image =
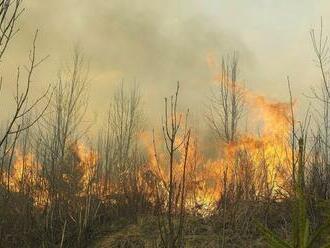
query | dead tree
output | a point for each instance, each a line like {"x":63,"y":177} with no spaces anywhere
{"x":225,"y":110}
{"x":26,"y":113}
{"x":10,"y":12}
{"x":176,"y":137}
{"x":322,"y":96}
{"x":59,"y":133}
{"x":24,"y":107}
{"x":125,"y":124}
{"x":59,"y":129}
{"x":226,"y":102}
{"x":120,"y":144}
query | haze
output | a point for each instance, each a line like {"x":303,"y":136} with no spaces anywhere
{"x":156,"y":44}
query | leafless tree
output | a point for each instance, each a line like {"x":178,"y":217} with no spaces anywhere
{"x":61,"y":125}
{"x":59,"y":133}
{"x":224,"y":113}
{"x":23,"y":107}
{"x":10,"y":12}
{"x":24,"y":110}
{"x":226,"y":102}
{"x":322,"y":96}
{"x":27,"y":112}
{"x":125,"y":124}
{"x":176,"y":136}
{"x":120,"y":144}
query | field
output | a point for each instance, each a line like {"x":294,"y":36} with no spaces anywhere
{"x":247,"y":170}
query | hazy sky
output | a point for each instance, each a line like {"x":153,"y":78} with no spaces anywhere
{"x":160,"y":42}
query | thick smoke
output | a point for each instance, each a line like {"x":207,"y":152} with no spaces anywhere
{"x":155,"y":44}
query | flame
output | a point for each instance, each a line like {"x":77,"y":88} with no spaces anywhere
{"x":87,"y":164}
{"x":26,"y":175}
{"x":23,"y":170}
{"x":261,"y":158}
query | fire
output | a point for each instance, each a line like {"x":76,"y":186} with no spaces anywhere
{"x":26,"y":175}
{"x":23,"y":171}
{"x":87,"y":164}
{"x":263,"y":159}
{"x":275,"y":116}
{"x":271,"y":147}
{"x":201,"y":177}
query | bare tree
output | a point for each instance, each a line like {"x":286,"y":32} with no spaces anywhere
{"x":120,"y":147}
{"x":10,"y":12}
{"x":322,"y":95}
{"x":124,"y":119}
{"x":226,"y":102}
{"x":24,"y":110}
{"x":23,"y":107}
{"x":59,"y":133}
{"x":176,"y":137}
{"x":27,"y":112}
{"x":224,"y":113}
{"x":61,"y":125}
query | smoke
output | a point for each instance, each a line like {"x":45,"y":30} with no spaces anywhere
{"x":157,"y":43}
{"x":154,"y":43}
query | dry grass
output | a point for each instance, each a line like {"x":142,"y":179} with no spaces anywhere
{"x":199,"y":233}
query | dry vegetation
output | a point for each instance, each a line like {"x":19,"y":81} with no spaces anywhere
{"x":133,"y":188}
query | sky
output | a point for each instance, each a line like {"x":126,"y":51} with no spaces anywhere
{"x":157,"y":43}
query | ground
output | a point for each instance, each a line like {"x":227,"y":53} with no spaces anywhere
{"x":199,"y":233}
